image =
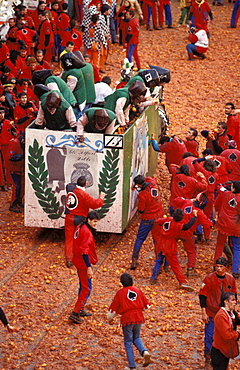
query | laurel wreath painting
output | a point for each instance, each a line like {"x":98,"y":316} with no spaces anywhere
{"x":38,"y":177}
{"x":108,"y":180}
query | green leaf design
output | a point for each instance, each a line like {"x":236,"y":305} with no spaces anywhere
{"x":38,"y":177}
{"x":108,"y":180}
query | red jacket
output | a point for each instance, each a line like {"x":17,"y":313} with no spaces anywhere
{"x":83,"y":243}
{"x":211,"y":177}
{"x":4,"y":52}
{"x":188,"y":161}
{"x":187,"y":206}
{"x":213,"y":287}
{"x":174,"y":150}
{"x":225,"y":337}
{"x":11,"y":44}
{"x":134,"y":30}
{"x":233,"y":157}
{"x":223,"y":168}
{"x":184,"y":186}
{"x":228,"y":207}
{"x":5,"y":132}
{"x":15,"y":148}
{"x":24,"y":115}
{"x":79,"y":202}
{"x":233,"y":124}
{"x":45,"y":29}
{"x":74,"y":36}
{"x":192,"y":147}
{"x":165,"y":232}
{"x":149,"y":201}
{"x":129,"y":302}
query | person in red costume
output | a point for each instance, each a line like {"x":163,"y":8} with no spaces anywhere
{"x":40,"y":59}
{"x":6,"y":134}
{"x":35,"y":14}
{"x":78,"y":204}
{"x":27,"y":19}
{"x":199,"y":42}
{"x":63,"y":22}
{"x":150,"y":8}
{"x":21,"y":60}
{"x":233,"y":157}
{"x":150,"y":208}
{"x":210,"y":293}
{"x":11,"y":35}
{"x":223,"y":167}
{"x":225,"y":340}
{"x":165,"y":232}
{"x":209,"y":170}
{"x":23,"y":86}
{"x":84,"y":256}
{"x":200,"y":12}
{"x":188,"y":205}
{"x":173,"y":147}
{"x":30,"y":68}
{"x":72,"y":35}
{"x":228,"y":207}
{"x":46,"y":36}
{"x":15,"y":158}
{"x":233,"y":123}
{"x":4,"y":52}
{"x":24,"y":112}
{"x":129,"y":302}
{"x":132,"y":38}
{"x":26,"y":36}
{"x":191,"y":143}
{"x":188,"y":159}
{"x":217,"y":139}
{"x":183,"y":184}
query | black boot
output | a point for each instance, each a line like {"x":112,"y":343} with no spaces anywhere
{"x":134,"y":264}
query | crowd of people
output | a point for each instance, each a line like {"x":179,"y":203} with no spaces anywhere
{"x":47,"y":82}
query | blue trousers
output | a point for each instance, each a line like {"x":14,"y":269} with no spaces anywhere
{"x":236,"y":254}
{"x":208,"y":336}
{"x":168,"y":14}
{"x":131,"y":335}
{"x":144,"y":228}
{"x":158,"y":264}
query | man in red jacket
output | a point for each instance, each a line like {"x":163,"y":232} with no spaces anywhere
{"x":233,"y":123}
{"x":150,"y":208}
{"x":46,"y":36}
{"x":210,"y":293}
{"x":84,"y":256}
{"x":78,"y":204}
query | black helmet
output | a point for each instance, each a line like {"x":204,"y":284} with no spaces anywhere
{"x":53,"y":101}
{"x":70,"y":61}
{"x":79,"y":56}
{"x":40,"y":89}
{"x":39,"y":77}
{"x":164,"y":74}
{"x":150,"y":77}
{"x":101,"y":119}
{"x":137,"y":88}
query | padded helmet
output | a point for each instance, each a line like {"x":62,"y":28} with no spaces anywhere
{"x":136,"y":89}
{"x":39,"y":77}
{"x":101,"y":119}
{"x":40,"y":89}
{"x":53,"y":101}
{"x":150,"y":77}
{"x":164,"y":74}
{"x":70,"y":61}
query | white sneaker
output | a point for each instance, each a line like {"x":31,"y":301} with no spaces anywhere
{"x":146,"y":356}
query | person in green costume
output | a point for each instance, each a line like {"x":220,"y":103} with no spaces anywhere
{"x":96,"y":120}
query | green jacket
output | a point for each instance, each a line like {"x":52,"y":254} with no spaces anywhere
{"x":90,"y":126}
{"x":111,"y":100}
{"x":63,"y":88}
{"x":88,"y":75}
{"x":80,"y":89}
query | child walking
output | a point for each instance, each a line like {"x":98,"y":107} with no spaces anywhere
{"x":129,"y":302}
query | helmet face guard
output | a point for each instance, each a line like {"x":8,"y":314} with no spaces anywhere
{"x":137,"y":91}
{"x":101,"y":119}
{"x":53,"y":102}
